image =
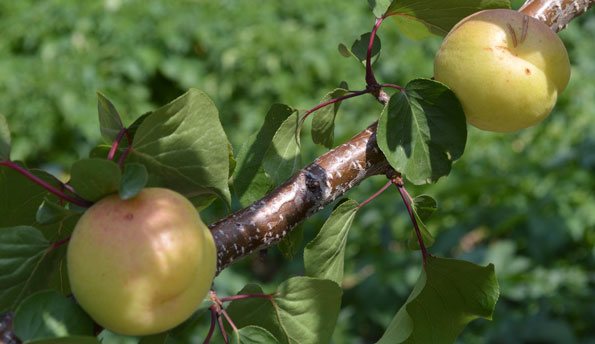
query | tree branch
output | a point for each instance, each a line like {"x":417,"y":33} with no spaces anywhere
{"x":270,"y":219}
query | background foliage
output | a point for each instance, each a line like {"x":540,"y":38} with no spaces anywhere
{"x":523,"y":201}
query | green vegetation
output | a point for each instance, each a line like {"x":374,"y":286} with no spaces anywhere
{"x":523,"y":201}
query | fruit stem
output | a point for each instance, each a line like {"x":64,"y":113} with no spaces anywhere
{"x":212,"y":327}
{"x":75,"y":199}
{"x":398,"y":181}
{"x":376,"y":194}
{"x":370,"y":78}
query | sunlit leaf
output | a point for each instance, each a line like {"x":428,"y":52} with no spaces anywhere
{"x":447,"y":296}
{"x":303,"y":310}
{"x":324,"y":256}
{"x":184,"y":148}
{"x":422,"y":131}
{"x":283,"y":156}
{"x":323,"y":123}
{"x":291,"y":244}
{"x":423,"y":207}
{"x":253,"y":335}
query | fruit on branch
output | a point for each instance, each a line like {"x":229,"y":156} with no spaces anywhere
{"x":143,"y":265}
{"x":505,"y":67}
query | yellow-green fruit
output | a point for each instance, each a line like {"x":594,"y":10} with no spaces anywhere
{"x":143,"y":265}
{"x":506,"y":68}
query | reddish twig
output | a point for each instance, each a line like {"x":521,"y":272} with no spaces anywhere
{"x":376,"y":194}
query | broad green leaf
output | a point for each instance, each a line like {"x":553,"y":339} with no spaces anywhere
{"x":304,"y":310}
{"x":68,"y":340}
{"x":253,"y":335}
{"x":50,"y":212}
{"x":323,"y":123}
{"x":110,"y":122}
{"x":448,"y":295}
{"x":359,"y":48}
{"x":283,"y":156}
{"x":20,"y":197}
{"x":324,"y":256}
{"x":93,"y":179}
{"x":191,"y":330}
{"x":379,"y":7}
{"x":109,"y":337}
{"x":422,"y":131}
{"x":47,"y":314}
{"x":184,"y":148}
{"x":27,"y":264}
{"x":249,"y":180}
{"x":134,"y":179}
{"x":291,"y":244}
{"x":423,"y":207}
{"x":4,"y":140}
{"x":419,"y":18}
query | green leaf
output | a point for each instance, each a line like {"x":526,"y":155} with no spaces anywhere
{"x":422,"y":131}
{"x":253,"y":335}
{"x":93,"y":179}
{"x":27,"y":264}
{"x":359,"y":48}
{"x":448,"y":295}
{"x":50,"y":212}
{"x":379,"y":7}
{"x":134,"y":179}
{"x":19,"y":197}
{"x":324,"y":256}
{"x":419,"y":18}
{"x":423,"y":207}
{"x":110,"y":122}
{"x":184,"y":148}
{"x":304,"y":310}
{"x":4,"y":140}
{"x":189,"y":330}
{"x":291,"y":244}
{"x":250,"y":182}
{"x":283,"y":156}
{"x":109,"y":337}
{"x":47,"y":314}
{"x":323,"y":123}
{"x":68,"y":340}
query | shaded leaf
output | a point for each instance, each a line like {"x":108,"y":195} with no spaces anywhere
{"x":253,"y":335}
{"x":184,"y":148}
{"x":4,"y":139}
{"x":134,"y":179}
{"x":359,"y":48}
{"x":303,"y":310}
{"x":187,"y":332}
{"x":50,"y":212}
{"x":47,"y":314}
{"x":343,"y":50}
{"x":250,"y":181}
{"x":291,"y":244}
{"x":324,"y":256}
{"x":422,"y":131}
{"x":283,"y":156}
{"x":419,"y":18}
{"x":447,"y":296}
{"x":110,"y":122}
{"x":423,"y":207}
{"x":323,"y":123}
{"x":27,"y":264}
{"x":68,"y":340}
{"x":93,"y":179}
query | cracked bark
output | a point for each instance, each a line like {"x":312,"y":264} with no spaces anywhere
{"x":270,"y":219}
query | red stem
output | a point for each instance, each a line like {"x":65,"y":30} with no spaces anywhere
{"x":400,"y":88}
{"x":222,"y":329}
{"x":112,"y":152}
{"x":245,"y":296}
{"x":212,"y":328}
{"x":333,"y":101}
{"x":407,"y":200}
{"x":50,"y":188}
{"x":57,"y":244}
{"x":376,"y":194}
{"x":370,"y":78}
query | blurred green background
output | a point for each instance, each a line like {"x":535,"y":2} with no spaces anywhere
{"x":524,"y":201}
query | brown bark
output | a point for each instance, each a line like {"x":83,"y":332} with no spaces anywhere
{"x":270,"y":219}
